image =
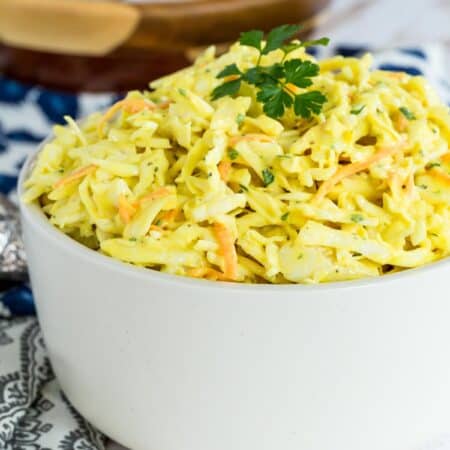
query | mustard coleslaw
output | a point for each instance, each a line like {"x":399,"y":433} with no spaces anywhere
{"x":172,"y":180}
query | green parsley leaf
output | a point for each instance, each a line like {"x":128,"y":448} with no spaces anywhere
{"x":278,"y":36}
{"x":356,"y":111}
{"x":274,"y":83}
{"x":300,"y":72}
{"x":182,"y":92}
{"x":275,"y":100}
{"x":433,"y":164}
{"x":276,"y":70}
{"x":232,"y":69}
{"x":289,"y":48}
{"x":230,"y":88}
{"x":132,"y":239}
{"x":244,"y":188}
{"x":407,"y":113}
{"x":285,"y":216}
{"x":357,"y":218}
{"x":322,"y":41}
{"x":233,"y":154}
{"x":308,"y":103}
{"x":255,"y":76}
{"x":268,"y":177}
{"x":252,"y":38}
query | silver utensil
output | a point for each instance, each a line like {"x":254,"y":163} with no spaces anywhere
{"x":13,"y":264}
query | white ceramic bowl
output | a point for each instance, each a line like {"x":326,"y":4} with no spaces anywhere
{"x":161,"y":362}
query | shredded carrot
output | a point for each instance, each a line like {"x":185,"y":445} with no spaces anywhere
{"x":354,"y":168}
{"x":293,"y":88}
{"x":156,"y":228}
{"x":79,"y":173}
{"x":231,"y":78}
{"x":401,"y":123}
{"x":441,"y":176}
{"x":126,"y":209}
{"x":224,"y":168}
{"x":207,"y":272}
{"x":250,"y":137}
{"x":446,"y":158}
{"x":131,"y":105}
{"x":164,"y":105}
{"x":170,"y":216}
{"x":227,"y":249}
{"x":159,"y":193}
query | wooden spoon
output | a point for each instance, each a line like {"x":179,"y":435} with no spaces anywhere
{"x":81,"y":27}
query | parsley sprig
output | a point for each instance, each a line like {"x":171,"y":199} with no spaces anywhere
{"x":281,"y":85}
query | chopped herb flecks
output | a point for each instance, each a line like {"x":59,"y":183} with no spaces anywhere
{"x":357,"y":218}
{"x":357,"y":110}
{"x":240,"y":119}
{"x":268,"y":177}
{"x":233,"y":154}
{"x":407,"y":113}
{"x":285,"y":216}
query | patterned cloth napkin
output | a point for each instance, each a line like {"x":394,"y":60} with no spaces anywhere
{"x":34,"y":413}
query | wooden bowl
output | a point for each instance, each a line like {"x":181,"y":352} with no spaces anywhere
{"x":119,"y":46}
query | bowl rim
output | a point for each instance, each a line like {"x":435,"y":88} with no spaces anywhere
{"x":36,"y":217}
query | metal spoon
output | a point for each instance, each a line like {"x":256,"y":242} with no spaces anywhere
{"x":13,"y":264}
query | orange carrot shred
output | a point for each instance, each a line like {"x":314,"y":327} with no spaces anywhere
{"x":440,"y":176}
{"x":126,"y":209}
{"x":156,"y":228}
{"x":75,"y":175}
{"x":446,"y":158}
{"x":401,"y":123}
{"x":231,"y":78}
{"x":293,"y":88}
{"x":208,"y":273}
{"x":170,"y":216}
{"x":227,"y":249}
{"x":250,"y":137}
{"x":159,"y":193}
{"x":354,"y":168}
{"x":224,"y":168}
{"x":165,"y":104}
{"x":131,"y":105}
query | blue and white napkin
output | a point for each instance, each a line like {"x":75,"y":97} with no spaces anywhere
{"x":34,"y":413}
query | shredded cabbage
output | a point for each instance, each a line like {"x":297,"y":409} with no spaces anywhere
{"x":171,"y":180}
